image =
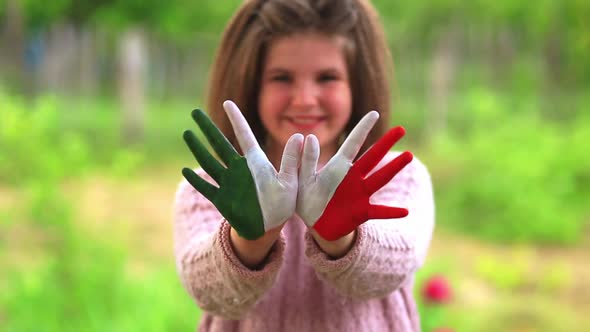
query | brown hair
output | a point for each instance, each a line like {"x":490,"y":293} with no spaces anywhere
{"x":238,"y":63}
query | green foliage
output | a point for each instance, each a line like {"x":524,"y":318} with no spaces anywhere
{"x":33,"y":146}
{"x":174,"y":20}
{"x":506,"y":274}
{"x":41,"y":13}
{"x":531,"y":314}
{"x":180,"y":24}
{"x":83,"y":280}
{"x":39,"y":137}
{"x":71,"y":278}
{"x":514,"y":178}
{"x":560,"y":26}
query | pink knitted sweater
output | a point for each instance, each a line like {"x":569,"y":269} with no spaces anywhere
{"x":299,"y":288}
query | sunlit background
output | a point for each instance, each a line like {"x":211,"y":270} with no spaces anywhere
{"x":94,"y":96}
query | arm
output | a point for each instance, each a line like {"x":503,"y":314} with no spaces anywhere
{"x":254,"y":199}
{"x":337,"y":248}
{"x":385,"y":253}
{"x":252,"y":253}
{"x":208,"y":267}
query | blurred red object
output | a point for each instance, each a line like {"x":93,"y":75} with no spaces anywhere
{"x":437,"y":290}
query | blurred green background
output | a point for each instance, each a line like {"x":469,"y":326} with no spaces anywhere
{"x":94,"y":96}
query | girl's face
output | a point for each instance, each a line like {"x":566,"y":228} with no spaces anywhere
{"x":305,"y":89}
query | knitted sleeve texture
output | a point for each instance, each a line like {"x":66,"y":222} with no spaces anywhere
{"x":206,"y":263}
{"x":386,"y":253}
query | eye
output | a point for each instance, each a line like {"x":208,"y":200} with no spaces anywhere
{"x":280,"y":78}
{"x":327,"y":77}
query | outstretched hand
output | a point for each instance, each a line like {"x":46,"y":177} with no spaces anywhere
{"x":254,"y":198}
{"x":251,"y":195}
{"x":335,"y":201}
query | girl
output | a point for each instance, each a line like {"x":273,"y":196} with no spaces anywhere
{"x":323,"y":243}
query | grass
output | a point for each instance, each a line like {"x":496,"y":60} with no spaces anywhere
{"x":86,"y":229}
{"x":122,"y":277}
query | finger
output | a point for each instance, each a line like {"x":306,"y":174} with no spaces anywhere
{"x":309,"y":160}
{"x":372,"y":157}
{"x":205,"y":159}
{"x":386,"y":212}
{"x":219,"y":142}
{"x":387,"y":172}
{"x":291,"y":156}
{"x":207,"y":189}
{"x":244,"y":134}
{"x":353,"y":143}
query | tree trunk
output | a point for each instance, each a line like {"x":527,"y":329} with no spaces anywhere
{"x":132,"y":66}
{"x":88,"y":74}
{"x":59,"y":60}
{"x":12,"y":43}
{"x":442,"y":75}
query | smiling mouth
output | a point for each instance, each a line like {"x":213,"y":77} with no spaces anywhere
{"x":306,"y":122}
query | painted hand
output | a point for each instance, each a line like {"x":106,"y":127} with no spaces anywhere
{"x":252,"y":196}
{"x":335,"y":201}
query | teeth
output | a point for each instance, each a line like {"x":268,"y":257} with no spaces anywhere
{"x":304,"y":121}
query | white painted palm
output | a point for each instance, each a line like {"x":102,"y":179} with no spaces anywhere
{"x":317,"y":188}
{"x":277,"y":191}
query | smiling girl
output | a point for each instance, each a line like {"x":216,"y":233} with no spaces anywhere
{"x":295,"y":230}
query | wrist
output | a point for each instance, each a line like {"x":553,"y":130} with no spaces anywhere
{"x":253,"y":253}
{"x":337,"y":248}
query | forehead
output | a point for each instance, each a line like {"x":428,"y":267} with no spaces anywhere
{"x":306,"y":51}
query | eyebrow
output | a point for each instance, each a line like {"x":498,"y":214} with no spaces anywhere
{"x":284,"y":70}
{"x":276,"y":70}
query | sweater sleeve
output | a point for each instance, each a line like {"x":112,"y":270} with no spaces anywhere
{"x":206,"y":263}
{"x":386,"y":253}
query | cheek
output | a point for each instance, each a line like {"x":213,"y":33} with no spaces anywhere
{"x":271,"y":99}
{"x":265,"y":106}
{"x":340,"y":102}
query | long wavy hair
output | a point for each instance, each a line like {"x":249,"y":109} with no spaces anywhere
{"x":237,"y":69}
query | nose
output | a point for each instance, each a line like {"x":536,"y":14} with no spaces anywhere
{"x":305,"y":95}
